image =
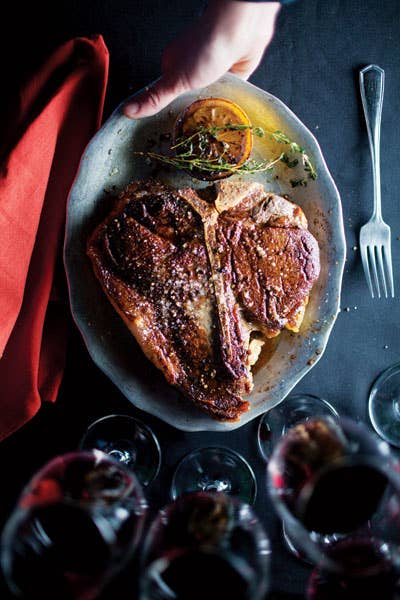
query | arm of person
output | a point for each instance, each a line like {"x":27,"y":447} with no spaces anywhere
{"x":231,"y":35}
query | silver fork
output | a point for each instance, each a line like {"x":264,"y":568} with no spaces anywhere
{"x":375,"y":235}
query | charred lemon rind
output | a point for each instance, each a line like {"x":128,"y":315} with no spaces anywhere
{"x":199,"y":120}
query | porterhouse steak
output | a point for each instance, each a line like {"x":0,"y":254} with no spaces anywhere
{"x":201,"y":282}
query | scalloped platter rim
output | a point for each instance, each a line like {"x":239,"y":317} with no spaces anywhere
{"x":108,"y":164}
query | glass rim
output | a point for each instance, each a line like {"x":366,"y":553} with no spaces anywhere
{"x":141,"y":424}
{"x":288,"y":399}
{"x":381,"y":378}
{"x":95,"y":453}
{"x":254,"y":590}
{"x":295,"y":524}
{"x":222,"y":449}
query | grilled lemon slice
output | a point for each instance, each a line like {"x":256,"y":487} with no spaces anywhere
{"x":215,"y":134}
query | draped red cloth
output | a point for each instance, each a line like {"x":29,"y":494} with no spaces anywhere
{"x":59,"y":111}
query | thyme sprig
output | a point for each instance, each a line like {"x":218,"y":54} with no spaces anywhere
{"x":211,"y":165}
{"x":282,"y":138}
{"x":193,"y":153}
{"x":207,"y":132}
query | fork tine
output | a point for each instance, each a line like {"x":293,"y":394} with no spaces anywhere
{"x":371,"y":252}
{"x":387,"y":258}
{"x":379,"y":255}
{"x":364,"y":258}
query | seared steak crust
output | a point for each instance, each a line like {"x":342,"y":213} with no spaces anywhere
{"x":271,"y":269}
{"x":194,"y":279}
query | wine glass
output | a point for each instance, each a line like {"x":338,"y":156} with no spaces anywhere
{"x":384,"y":405}
{"x":276,"y":421}
{"x":205,"y":545}
{"x":337,"y":489}
{"x":127,"y":440}
{"x":76,"y":524}
{"x":215,"y":469}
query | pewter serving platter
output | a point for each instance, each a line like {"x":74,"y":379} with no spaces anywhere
{"x":108,"y":165}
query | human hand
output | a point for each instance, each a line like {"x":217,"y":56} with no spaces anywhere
{"x":230,"y":36}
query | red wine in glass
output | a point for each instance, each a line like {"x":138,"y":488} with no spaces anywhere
{"x":337,"y":488}
{"x":357,"y":565}
{"x":200,"y":573}
{"x":75,"y":525}
{"x":205,"y":545}
{"x":367,"y":572}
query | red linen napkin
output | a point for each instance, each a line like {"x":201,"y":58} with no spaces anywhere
{"x":60,"y":110}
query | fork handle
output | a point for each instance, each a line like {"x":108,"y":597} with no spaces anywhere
{"x":372,"y":81}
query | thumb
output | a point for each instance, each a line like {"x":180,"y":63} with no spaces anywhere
{"x":154,"y":98}
{"x":246,"y":66}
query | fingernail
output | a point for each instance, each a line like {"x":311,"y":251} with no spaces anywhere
{"x":131,"y":110}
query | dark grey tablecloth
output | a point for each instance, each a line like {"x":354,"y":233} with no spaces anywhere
{"x":312,"y":65}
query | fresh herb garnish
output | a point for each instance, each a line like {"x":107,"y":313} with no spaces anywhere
{"x":298,"y":182}
{"x":282,"y":138}
{"x":195,"y":153}
{"x":211,"y":165}
{"x":289,"y":163}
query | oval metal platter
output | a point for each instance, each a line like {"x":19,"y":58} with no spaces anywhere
{"x":109,"y":164}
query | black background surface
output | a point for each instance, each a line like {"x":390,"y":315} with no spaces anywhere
{"x":312,"y":65}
